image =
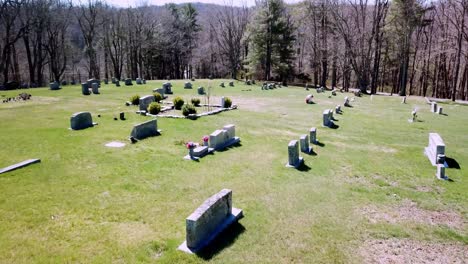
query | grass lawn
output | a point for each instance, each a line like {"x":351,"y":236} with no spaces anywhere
{"x":369,"y":189}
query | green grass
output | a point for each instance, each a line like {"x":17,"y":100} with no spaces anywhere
{"x":91,"y":204}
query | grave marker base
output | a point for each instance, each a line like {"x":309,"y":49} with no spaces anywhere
{"x":301,"y":161}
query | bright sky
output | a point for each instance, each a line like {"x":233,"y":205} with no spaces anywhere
{"x":126,"y":3}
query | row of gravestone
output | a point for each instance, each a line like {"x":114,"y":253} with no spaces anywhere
{"x":294,"y":160}
{"x":218,"y":140}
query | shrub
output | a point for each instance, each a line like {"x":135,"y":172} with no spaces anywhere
{"x":135,"y":100}
{"x":157,"y":97}
{"x":195,"y":101}
{"x":178,"y":102}
{"x":227,"y":102}
{"x":188,"y":109}
{"x":154,"y":108}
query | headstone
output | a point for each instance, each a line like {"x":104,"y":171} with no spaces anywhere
{"x":217,"y":138}
{"x":113,"y":79}
{"x":144,"y":130}
{"x":106,"y":81}
{"x":231,"y":84}
{"x":434,"y":107}
{"x":200,"y":151}
{"x":346,"y":101}
{"x":436,"y":149}
{"x":64,"y":83}
{"x":313,"y":135}
{"x":248,"y":82}
{"x":91,"y":81}
{"x":138,"y":81}
{"x":201,"y":90}
{"x":403,"y":101}
{"x":327,"y":122}
{"x":122,"y":116}
{"x":187,"y":85}
{"x":304,"y":142}
{"x":338,"y":109}
{"x":85,"y":89}
{"x":81,"y":120}
{"x":117,"y":83}
{"x":128,"y":82}
{"x":167,"y":86}
{"x":95,"y":88}
{"x":222,"y":102}
{"x":222,"y":85}
{"x":413,"y":116}
{"x":441,"y":172}
{"x":54,"y":86}
{"x":160,"y":91}
{"x":230,"y":130}
{"x":294,"y":160}
{"x":371,"y":97}
{"x":333,"y":93}
{"x":439,"y":110}
{"x":144,"y":81}
{"x":209,"y":220}
{"x":145,"y":101}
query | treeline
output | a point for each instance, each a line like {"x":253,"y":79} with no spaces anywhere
{"x":404,"y":46}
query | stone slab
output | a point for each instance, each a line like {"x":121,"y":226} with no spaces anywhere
{"x":115,"y":144}
{"x":146,"y":129}
{"x":19,"y":165}
{"x":436,"y":146}
{"x":81,"y":120}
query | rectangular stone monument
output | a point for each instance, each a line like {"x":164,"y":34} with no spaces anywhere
{"x":439,"y":110}
{"x":231,"y":84}
{"x":441,"y":172}
{"x":433,"y":107}
{"x":223,"y":138}
{"x":138,"y":81}
{"x":294,"y":160}
{"x":95,"y":88}
{"x":81,"y":120}
{"x":160,"y":91}
{"x":128,"y":82}
{"x":54,"y":86}
{"x":106,"y":81}
{"x":435,"y":151}
{"x":167,"y":86}
{"x":187,"y":85}
{"x":201,"y":90}
{"x":338,"y":109}
{"x":19,"y":165}
{"x":85,"y":89}
{"x":117,"y":83}
{"x":146,"y":129}
{"x":222,"y":102}
{"x":231,"y":130}
{"x":327,"y":122}
{"x":346,"y":101}
{"x":145,"y":101}
{"x":217,"y":139}
{"x":209,"y":220}
{"x":144,"y":81}
{"x":313,"y":135}
{"x":304,"y":142}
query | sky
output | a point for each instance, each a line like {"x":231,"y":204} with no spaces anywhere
{"x":126,"y":3}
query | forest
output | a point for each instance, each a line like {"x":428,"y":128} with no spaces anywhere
{"x":409,"y":47}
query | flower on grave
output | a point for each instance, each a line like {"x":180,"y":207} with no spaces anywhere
{"x":205,"y":138}
{"x":190,"y":145}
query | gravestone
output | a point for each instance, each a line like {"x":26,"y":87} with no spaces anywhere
{"x":222,"y":102}
{"x":95,"y":88}
{"x":371,"y":97}
{"x":435,"y":151}
{"x":187,"y":85}
{"x":439,"y":110}
{"x":160,"y":91}
{"x":138,"y":81}
{"x":209,"y":220}
{"x":91,"y":81}
{"x":167,"y":86}
{"x":441,"y":172}
{"x":201,"y":90}
{"x":128,"y":82}
{"x":106,"y":81}
{"x":346,"y":102}
{"x":144,"y":130}
{"x":223,"y":138}
{"x":248,"y":82}
{"x":144,"y":81}
{"x":327,"y":122}
{"x":338,"y":109}
{"x":413,"y":116}
{"x":122,"y":116}
{"x":304,"y":142}
{"x":117,"y":83}
{"x":403,"y":101}
{"x":85,"y":89}
{"x":222,"y":85}
{"x":81,"y":120}
{"x":145,"y":101}
{"x":231,"y":84}
{"x":54,"y":86}
{"x":64,"y":83}
{"x":294,"y":160}
{"x":433,"y":107}
{"x":313,"y":135}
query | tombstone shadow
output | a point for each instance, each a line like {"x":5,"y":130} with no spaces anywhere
{"x":444,"y":114}
{"x":223,"y":240}
{"x":350,"y":106}
{"x":334,"y":119}
{"x":452,"y":163}
{"x":333,"y":126}
{"x":312,"y":153}
{"x":320,"y":144}
{"x":303,"y":167}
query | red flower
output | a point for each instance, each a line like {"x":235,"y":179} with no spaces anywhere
{"x":190,"y":145}
{"x":205,"y":139}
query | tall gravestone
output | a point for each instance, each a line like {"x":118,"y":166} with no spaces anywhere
{"x":95,"y":88}
{"x":201,"y":90}
{"x":294,"y":160}
{"x":138,"y":81}
{"x":327,"y":122}
{"x":313,"y":135}
{"x":304,"y":142}
{"x":433,"y":107}
{"x":81,"y":120}
{"x":222,"y":85}
{"x":85,"y":89}
{"x":128,"y":82}
{"x":117,"y":83}
{"x":167,"y":86}
{"x":435,"y":151}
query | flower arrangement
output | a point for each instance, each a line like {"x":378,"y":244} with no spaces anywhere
{"x":190,"y":145}
{"x":205,"y":138}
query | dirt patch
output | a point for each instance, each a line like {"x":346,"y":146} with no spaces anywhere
{"x":411,"y":251}
{"x":410,"y":212}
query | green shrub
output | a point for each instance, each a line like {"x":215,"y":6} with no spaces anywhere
{"x":195,"y":101}
{"x":157,"y":97}
{"x":154,"y":108}
{"x":178,"y":102}
{"x":188,"y":109}
{"x":135,"y":100}
{"x":227,"y":102}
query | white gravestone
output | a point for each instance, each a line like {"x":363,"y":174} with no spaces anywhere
{"x":313,"y":135}
{"x":294,"y":160}
{"x":435,"y":151}
{"x":304,"y":142}
{"x":434,"y":107}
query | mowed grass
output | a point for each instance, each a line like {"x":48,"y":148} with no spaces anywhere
{"x":91,"y":204}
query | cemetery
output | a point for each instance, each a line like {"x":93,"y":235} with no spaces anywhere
{"x":308,"y":193}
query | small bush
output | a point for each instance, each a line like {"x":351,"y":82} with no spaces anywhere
{"x":178,"y":102}
{"x":227,"y":102}
{"x":195,"y":101}
{"x":154,"y":108}
{"x":188,"y":109}
{"x":135,"y":100}
{"x":157,"y":97}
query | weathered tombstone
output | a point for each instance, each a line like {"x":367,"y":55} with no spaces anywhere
{"x":304,"y":142}
{"x":294,"y":160}
{"x":338,"y":109}
{"x":144,"y":130}
{"x":435,"y":151}
{"x":85,"y":89}
{"x":54,"y":86}
{"x":145,"y":101}
{"x":187,"y":85}
{"x":222,"y":85}
{"x":143,"y":81}
{"x":138,"y":81}
{"x":122,"y":116}
{"x":95,"y":88}
{"x":81,"y":120}
{"x":167,"y":86}
{"x":439,"y":110}
{"x":209,"y":220}
{"x":231,"y":84}
{"x":433,"y":107}
{"x":117,"y":83}
{"x":222,"y":102}
{"x":313,"y":135}
{"x":346,"y":102}
{"x":128,"y":82}
{"x":327,"y":122}
{"x":160,"y":91}
{"x":248,"y":82}
{"x":413,"y":116}
{"x":106,"y":81}
{"x":64,"y":83}
{"x":201,"y":90}
{"x":403,"y":101}
{"x":91,"y":81}
{"x":441,"y":172}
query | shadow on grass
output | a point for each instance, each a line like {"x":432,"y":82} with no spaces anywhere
{"x":303,"y":167}
{"x":350,"y":106}
{"x":452,"y":163}
{"x":224,"y":240}
{"x":311,"y":153}
{"x":320,"y":144}
{"x":333,"y":126}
